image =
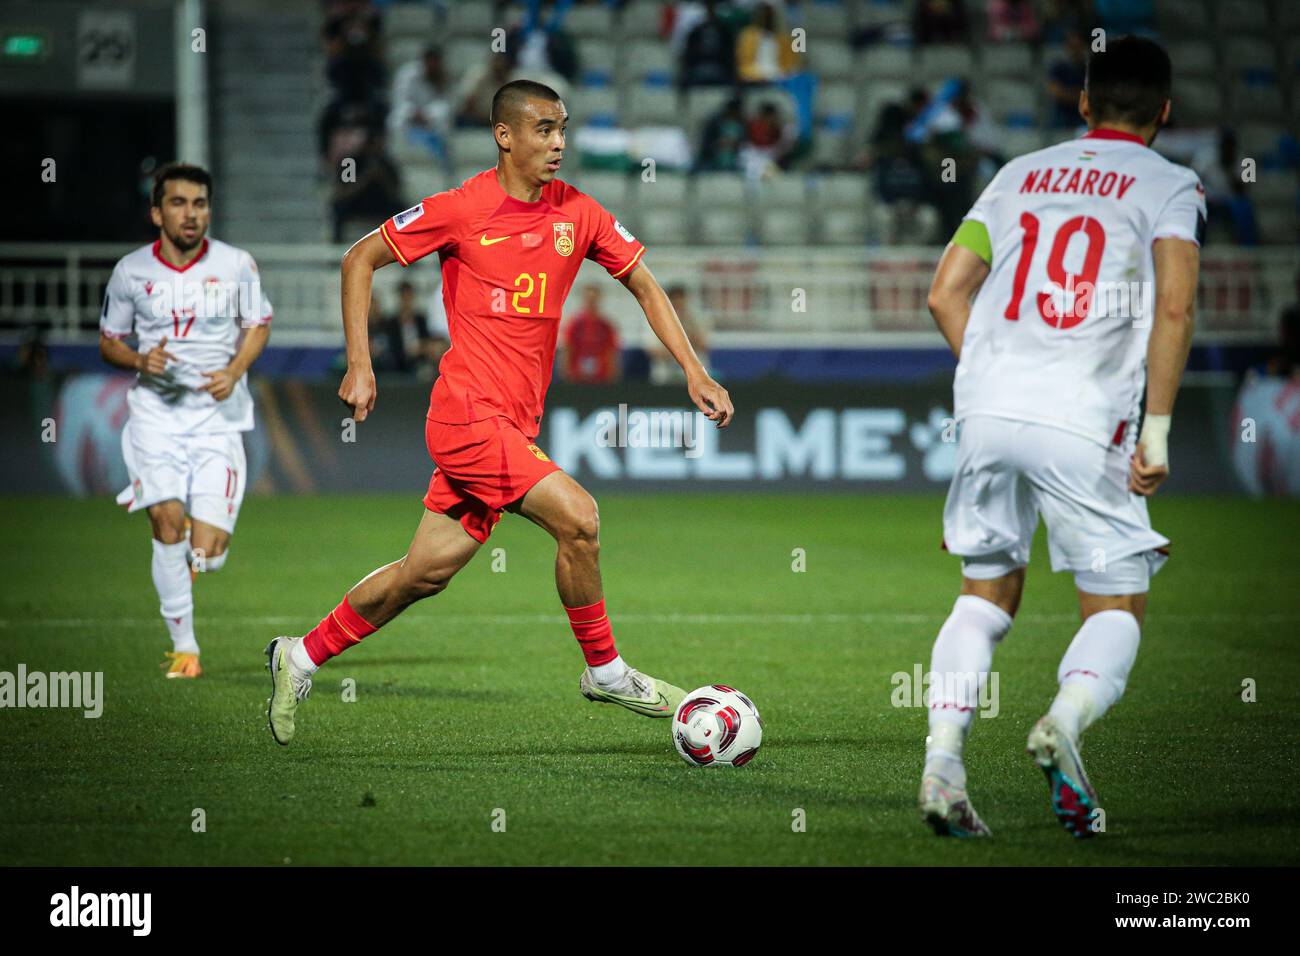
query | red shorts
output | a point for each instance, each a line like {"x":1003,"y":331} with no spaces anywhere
{"x":479,"y":469}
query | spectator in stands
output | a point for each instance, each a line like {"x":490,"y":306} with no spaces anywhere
{"x":722,"y":139}
{"x":947,"y":128}
{"x":590,"y":354}
{"x":708,"y":56}
{"x":411,"y":349}
{"x":354,"y":63}
{"x":680,"y":17}
{"x":344,"y":129}
{"x":1226,"y":197}
{"x":1012,"y":21}
{"x":895,"y":162}
{"x":764,"y":51}
{"x":664,"y":369}
{"x":677,"y":18}
{"x":1065,"y":82}
{"x":983,"y":136}
{"x":474,"y":95}
{"x":543,"y":45}
{"x":421,"y":103}
{"x":769,"y":144}
{"x":375,"y":191}
{"x":478,"y":87}
{"x":940,"y":21}
{"x":355,"y":70}
{"x":1062,"y":16}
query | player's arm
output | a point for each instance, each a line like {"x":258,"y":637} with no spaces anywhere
{"x":709,"y":397}
{"x":120,"y":355}
{"x":367,"y":254}
{"x":254,"y":314}
{"x":116,"y":322}
{"x":962,"y":270}
{"x":1177,"y":263}
{"x":223,"y":381}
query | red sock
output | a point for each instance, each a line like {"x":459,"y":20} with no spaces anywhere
{"x":341,"y":628}
{"x":595,"y":635}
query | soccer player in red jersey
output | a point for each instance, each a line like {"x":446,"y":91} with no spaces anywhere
{"x":510,"y":242}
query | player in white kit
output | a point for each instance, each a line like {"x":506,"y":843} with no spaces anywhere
{"x":1082,"y":259}
{"x":186,"y":298}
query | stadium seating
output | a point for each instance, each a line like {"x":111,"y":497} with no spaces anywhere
{"x":1235,"y":60}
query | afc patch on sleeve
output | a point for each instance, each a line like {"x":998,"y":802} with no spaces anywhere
{"x":404,"y":219}
{"x":622,"y":231}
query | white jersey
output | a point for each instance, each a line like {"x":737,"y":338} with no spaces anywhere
{"x":200,"y":310}
{"x":1058,"y":331}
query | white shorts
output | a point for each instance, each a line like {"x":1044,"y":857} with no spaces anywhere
{"x":1010,"y":472}
{"x":205,"y":473}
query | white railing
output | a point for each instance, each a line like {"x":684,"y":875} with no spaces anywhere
{"x":785,"y":296}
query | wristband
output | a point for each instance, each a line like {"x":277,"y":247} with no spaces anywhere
{"x":1155,"y":440}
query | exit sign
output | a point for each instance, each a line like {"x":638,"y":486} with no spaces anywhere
{"x":24,"y":47}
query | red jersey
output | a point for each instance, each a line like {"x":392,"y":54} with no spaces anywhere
{"x":507,"y":267}
{"x":592,"y":344}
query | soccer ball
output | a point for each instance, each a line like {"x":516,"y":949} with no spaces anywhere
{"x":717,"y":726}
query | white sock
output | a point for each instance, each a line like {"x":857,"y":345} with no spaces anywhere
{"x":960,"y":664}
{"x":609,"y":674}
{"x":171,"y":578}
{"x":300,"y":659}
{"x":943,"y":747}
{"x":1095,"y":669}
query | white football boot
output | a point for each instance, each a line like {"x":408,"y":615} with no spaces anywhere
{"x":288,"y":689}
{"x":1057,"y":754}
{"x":947,"y":810}
{"x":639,"y":693}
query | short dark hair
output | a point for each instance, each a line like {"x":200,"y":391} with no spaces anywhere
{"x":186,"y":171}
{"x":1129,"y":81}
{"x":508,"y":101}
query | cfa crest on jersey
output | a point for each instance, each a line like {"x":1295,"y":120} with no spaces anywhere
{"x":622,"y":231}
{"x":563,"y":238}
{"x":405,"y":218}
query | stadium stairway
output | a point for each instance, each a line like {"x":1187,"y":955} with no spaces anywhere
{"x":266,"y":87}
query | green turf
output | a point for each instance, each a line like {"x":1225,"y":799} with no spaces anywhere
{"x":469,"y":702}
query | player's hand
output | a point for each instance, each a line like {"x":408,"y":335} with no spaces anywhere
{"x":1144,"y":479}
{"x":155,"y":360}
{"x":220,"y":383}
{"x":358,"y":392}
{"x":712,"y":399}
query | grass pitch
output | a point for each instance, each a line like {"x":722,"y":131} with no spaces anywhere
{"x":468,"y":704}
